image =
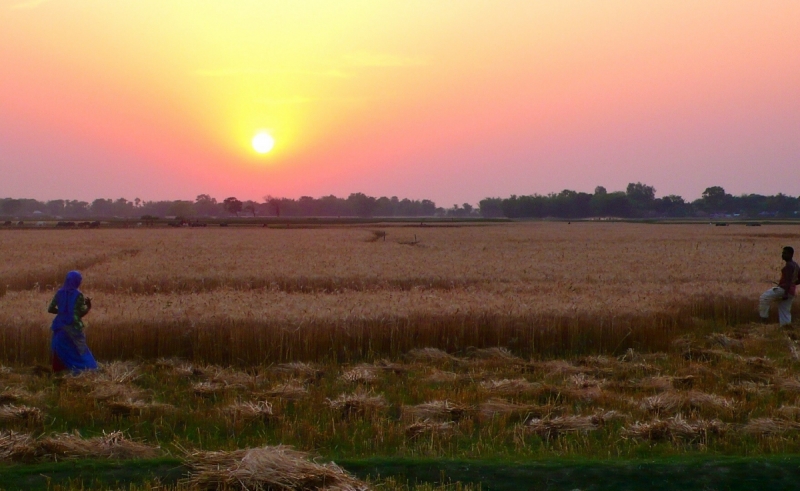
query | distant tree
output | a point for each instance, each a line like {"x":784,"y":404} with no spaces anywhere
{"x":640,"y":194}
{"x":204,"y":204}
{"x":600,"y":190}
{"x":232,"y":205}
{"x":181,"y":208}
{"x":491,"y":207}
{"x":275,"y":203}
{"x":11,"y":206}
{"x":361,"y":204}
{"x":714,"y":199}
{"x":250,"y":209}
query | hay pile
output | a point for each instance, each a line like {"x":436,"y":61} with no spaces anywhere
{"x":18,"y":447}
{"x":510,"y":387}
{"x":133,"y":406}
{"x":249,"y":411}
{"x":675,"y":428}
{"x":362,"y":374}
{"x":266,"y":469}
{"x":440,"y":377}
{"x":300,"y":370}
{"x":21,"y":415}
{"x":106,"y":391}
{"x":436,"y":411}
{"x":357,"y":404}
{"x":548,"y":428}
{"x":672,"y":401}
{"x":290,"y":391}
{"x":431,"y":355}
{"x":770,"y":426}
{"x":503,"y":408}
{"x":212,"y":389}
{"x":421,"y":428}
{"x":495,"y":355}
{"x":112,"y":446}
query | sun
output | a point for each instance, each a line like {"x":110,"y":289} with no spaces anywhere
{"x":263,"y":142}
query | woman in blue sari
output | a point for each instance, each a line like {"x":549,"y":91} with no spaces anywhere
{"x":68,"y":346}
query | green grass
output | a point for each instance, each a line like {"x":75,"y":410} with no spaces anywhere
{"x":686,"y":473}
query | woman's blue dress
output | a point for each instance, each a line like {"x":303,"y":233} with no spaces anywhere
{"x":69,"y":343}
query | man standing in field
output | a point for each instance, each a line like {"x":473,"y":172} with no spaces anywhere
{"x":784,"y":292}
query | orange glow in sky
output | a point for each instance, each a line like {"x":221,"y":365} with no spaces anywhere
{"x":450,"y":100}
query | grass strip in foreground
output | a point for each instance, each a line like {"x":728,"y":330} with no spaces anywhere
{"x":685,"y":473}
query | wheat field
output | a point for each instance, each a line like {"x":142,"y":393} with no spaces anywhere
{"x":246,"y":352}
{"x":261,"y":295}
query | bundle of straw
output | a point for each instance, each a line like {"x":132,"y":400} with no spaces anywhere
{"x":302,"y":370}
{"x":112,"y":445}
{"x":361,"y":374}
{"x":431,"y":355}
{"x":436,"y":411}
{"x":21,"y":414}
{"x":510,"y":387}
{"x":675,"y":428}
{"x":770,"y":426}
{"x":429,"y":428}
{"x":269,"y":468}
{"x":501,"y":407}
{"x":16,"y":447}
{"x":357,"y":404}
{"x":288,"y":391}
{"x":250,"y":411}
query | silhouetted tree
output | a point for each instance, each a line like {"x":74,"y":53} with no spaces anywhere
{"x":232,"y":205}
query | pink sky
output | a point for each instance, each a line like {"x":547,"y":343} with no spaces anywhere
{"x":452,"y":100}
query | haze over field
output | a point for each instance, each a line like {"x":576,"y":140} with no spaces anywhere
{"x":453,"y":101}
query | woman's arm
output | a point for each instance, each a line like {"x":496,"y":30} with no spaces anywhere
{"x":82,"y":306}
{"x":53,"y":307}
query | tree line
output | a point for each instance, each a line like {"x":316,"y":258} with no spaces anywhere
{"x":637,"y":201}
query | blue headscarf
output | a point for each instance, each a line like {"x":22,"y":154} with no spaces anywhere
{"x":66,"y":296}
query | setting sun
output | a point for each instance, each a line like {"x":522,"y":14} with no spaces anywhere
{"x":263,"y":142}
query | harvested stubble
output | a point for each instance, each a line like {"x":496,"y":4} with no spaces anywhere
{"x":788,"y":385}
{"x":213,"y":389}
{"x":510,"y":387}
{"x":16,"y":447}
{"x":441,"y":377}
{"x":502,"y":407}
{"x":290,"y":391}
{"x":548,"y":428}
{"x":362,"y":374}
{"x":789,"y":412}
{"x":770,"y":426}
{"x":675,"y":428}
{"x":300,"y":370}
{"x":132,"y":406}
{"x":421,"y":428}
{"x":266,"y":469}
{"x":432,"y":355}
{"x":113,"y":446}
{"x":498,"y":354}
{"x":21,"y":415}
{"x":388,"y":366}
{"x":744,"y":387}
{"x":250,"y":411}
{"x":106,"y":391}
{"x":725,"y":342}
{"x":672,"y":401}
{"x":357,"y":404}
{"x":436,"y":411}
{"x":12,"y":395}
